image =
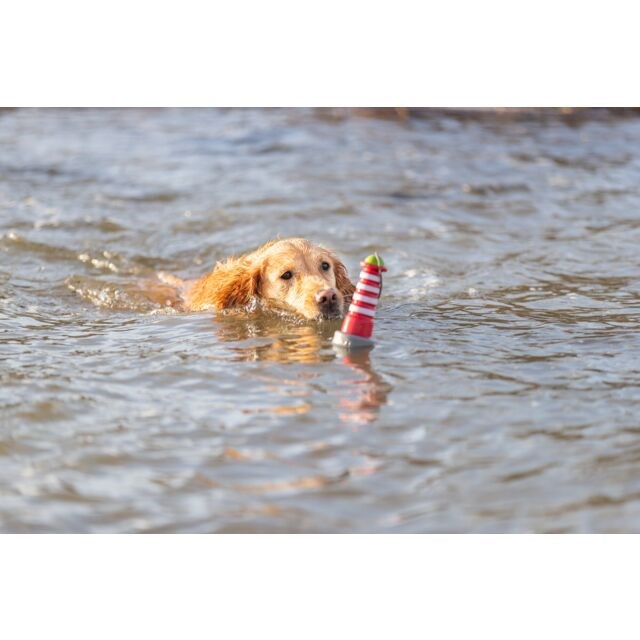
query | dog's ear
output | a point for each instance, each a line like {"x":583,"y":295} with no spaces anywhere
{"x":343,"y":283}
{"x":232,"y":283}
{"x":235,"y":283}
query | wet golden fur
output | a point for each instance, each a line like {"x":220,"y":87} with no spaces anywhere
{"x":237,"y":281}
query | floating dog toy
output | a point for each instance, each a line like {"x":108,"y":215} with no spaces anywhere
{"x":357,"y":326}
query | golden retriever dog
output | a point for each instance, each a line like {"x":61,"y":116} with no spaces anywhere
{"x":291,"y":275}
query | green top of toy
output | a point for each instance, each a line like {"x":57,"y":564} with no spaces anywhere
{"x":375,"y":260}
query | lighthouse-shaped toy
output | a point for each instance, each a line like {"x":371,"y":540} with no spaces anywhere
{"x":357,"y":326}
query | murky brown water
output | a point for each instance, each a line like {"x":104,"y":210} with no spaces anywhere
{"x":503,"y":394}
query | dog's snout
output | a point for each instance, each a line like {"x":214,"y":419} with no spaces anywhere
{"x":326,"y":297}
{"x":328,"y":303}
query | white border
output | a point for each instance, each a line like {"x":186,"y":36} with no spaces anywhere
{"x":360,"y":586}
{"x":346,"y":53}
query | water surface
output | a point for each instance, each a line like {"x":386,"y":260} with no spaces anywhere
{"x":502,"y":395}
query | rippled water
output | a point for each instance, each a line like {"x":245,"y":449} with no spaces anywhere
{"x":503,"y":392}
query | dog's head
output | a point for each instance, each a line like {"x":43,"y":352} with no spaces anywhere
{"x":291,"y":275}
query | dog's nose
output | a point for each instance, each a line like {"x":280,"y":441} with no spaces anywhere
{"x":326,"y":297}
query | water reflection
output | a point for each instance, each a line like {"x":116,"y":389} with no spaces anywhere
{"x":365,"y":393}
{"x":265,"y":337}
{"x":272,"y":338}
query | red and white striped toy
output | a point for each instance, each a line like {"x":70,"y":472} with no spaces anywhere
{"x":357,"y":326}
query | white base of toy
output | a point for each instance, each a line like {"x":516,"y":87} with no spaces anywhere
{"x":347,"y":341}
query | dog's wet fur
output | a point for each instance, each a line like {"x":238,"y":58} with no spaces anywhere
{"x":291,"y":275}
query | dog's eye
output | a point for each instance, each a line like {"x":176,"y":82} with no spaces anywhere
{"x":286,"y":275}
{"x":325,"y":266}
